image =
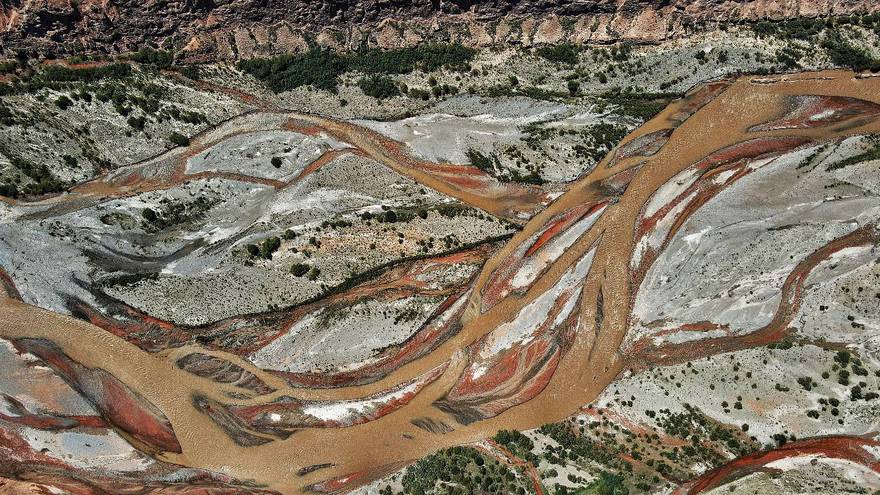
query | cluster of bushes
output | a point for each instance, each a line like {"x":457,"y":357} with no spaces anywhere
{"x":565,"y":53}
{"x":387,"y":216}
{"x":159,"y":58}
{"x":62,"y":73}
{"x":178,"y":139}
{"x":483,"y":162}
{"x":379,"y":87}
{"x":602,"y":138}
{"x":461,"y":470}
{"x":59,"y":77}
{"x":7,"y":115}
{"x":800,"y":28}
{"x":174,"y":212}
{"x":576,"y":446}
{"x":789,"y":57}
{"x":8,"y":190}
{"x":321,"y":68}
{"x":839,"y":49}
{"x":8,"y":66}
{"x":492,"y":166}
{"x":191,"y":72}
{"x":517,"y":443}
{"x":305,"y":270}
{"x":641,"y":105}
{"x":872,"y":154}
{"x":122,"y":97}
{"x":265,"y":249}
{"x":606,"y":484}
{"x":428,"y":57}
{"x":845,"y":54}
{"x":43,"y":180}
{"x":807,"y":29}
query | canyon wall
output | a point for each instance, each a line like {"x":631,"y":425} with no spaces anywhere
{"x":203,"y":30}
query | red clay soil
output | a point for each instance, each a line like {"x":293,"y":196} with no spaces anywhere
{"x":811,"y":111}
{"x":850,"y":448}
{"x":122,"y":407}
{"x":8,"y":286}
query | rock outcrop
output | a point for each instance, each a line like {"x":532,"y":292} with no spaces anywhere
{"x":204,"y":30}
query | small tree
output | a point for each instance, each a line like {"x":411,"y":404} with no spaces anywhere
{"x":137,"y":123}
{"x":178,"y":139}
{"x":149,"y":215}
{"x":269,"y":246}
{"x":299,"y":269}
{"x":63,"y":102}
{"x":276,"y":162}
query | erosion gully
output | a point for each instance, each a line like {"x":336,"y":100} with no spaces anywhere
{"x":710,"y":118}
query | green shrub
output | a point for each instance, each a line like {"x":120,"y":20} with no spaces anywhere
{"x":318,"y":68}
{"x":389,"y":216}
{"x":299,"y":269}
{"x":190,"y":72}
{"x":321,"y":68}
{"x":178,"y":139}
{"x":640,"y":105}
{"x":159,"y":58}
{"x":481,"y":161}
{"x":379,"y":87}
{"x":8,"y":190}
{"x":61,"y":73}
{"x":269,"y":246}
{"x":566,"y":53}
{"x":8,"y":66}
{"x":137,"y":123}
{"x":63,"y":102}
{"x":844,"y":54}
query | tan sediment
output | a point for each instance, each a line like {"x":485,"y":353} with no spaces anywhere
{"x":590,"y":364}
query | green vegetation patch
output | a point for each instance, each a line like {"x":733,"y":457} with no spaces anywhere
{"x":565,"y":53}
{"x":641,"y":105}
{"x":492,"y":166}
{"x":379,"y":87}
{"x":62,"y":73}
{"x":518,"y":444}
{"x":462,"y":470}
{"x":170,"y":212}
{"x":267,"y":249}
{"x":872,"y":154}
{"x":321,"y":68}
{"x":159,"y":58}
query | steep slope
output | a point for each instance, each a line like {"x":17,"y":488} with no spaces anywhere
{"x":210,"y":30}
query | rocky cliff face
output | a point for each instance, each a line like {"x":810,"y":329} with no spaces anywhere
{"x":234,"y":29}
